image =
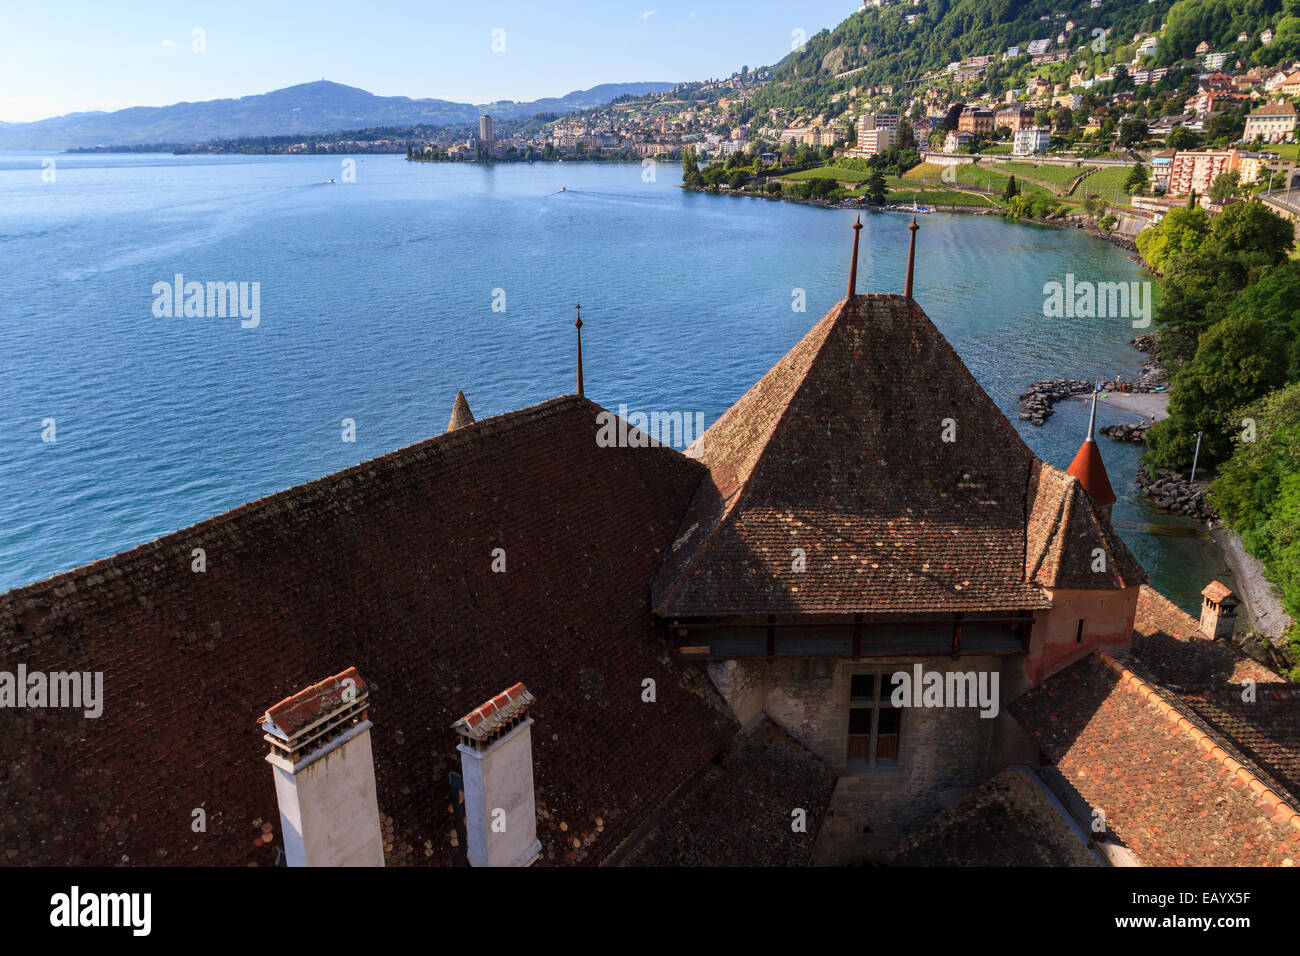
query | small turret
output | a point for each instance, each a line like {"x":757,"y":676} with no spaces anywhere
{"x":1090,"y":469}
{"x":460,"y":413}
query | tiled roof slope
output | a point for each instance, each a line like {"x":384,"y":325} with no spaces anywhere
{"x":385,"y":566}
{"x":1172,"y":795}
{"x":839,"y":450}
{"x":1169,"y":649}
{"x":1265,"y":731}
{"x":1065,"y":529}
{"x":740,"y":812}
{"x":1007,"y":821}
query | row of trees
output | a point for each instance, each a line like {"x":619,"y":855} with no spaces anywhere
{"x":1229,"y":319}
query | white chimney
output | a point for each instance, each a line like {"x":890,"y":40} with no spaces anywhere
{"x":325,"y":774}
{"x":496,"y":760}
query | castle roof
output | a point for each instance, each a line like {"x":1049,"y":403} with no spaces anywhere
{"x":388,"y":566}
{"x":1185,"y":775}
{"x":871,"y":447}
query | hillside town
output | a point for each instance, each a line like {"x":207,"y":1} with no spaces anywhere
{"x":1212,"y":126}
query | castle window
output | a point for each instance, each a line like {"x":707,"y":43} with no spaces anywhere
{"x":1078,"y":635}
{"x":874,"y":723}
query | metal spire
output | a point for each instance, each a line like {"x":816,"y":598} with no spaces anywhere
{"x":578,"y":325}
{"x":911,"y":258}
{"x":853,"y":266}
{"x":1092,"y":417}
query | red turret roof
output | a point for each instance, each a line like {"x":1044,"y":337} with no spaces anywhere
{"x":1089,"y":468}
{"x":1091,"y":472}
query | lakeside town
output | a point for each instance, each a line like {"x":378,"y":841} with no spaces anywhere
{"x":1121,"y":145}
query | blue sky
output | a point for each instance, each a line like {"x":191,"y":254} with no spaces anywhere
{"x":60,"y":57}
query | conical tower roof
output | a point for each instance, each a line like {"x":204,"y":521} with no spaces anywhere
{"x":872,"y":448}
{"x":1089,"y":468}
{"x":460,"y":413}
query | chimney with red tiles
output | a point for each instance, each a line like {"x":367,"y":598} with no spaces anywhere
{"x":496,"y":759}
{"x":325,"y":774}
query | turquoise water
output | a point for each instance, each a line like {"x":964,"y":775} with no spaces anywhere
{"x":376,"y":305}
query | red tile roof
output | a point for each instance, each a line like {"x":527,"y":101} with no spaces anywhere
{"x":745,"y":803}
{"x":1088,"y":467}
{"x":1007,"y":821}
{"x":840,"y":450}
{"x":1064,"y":532}
{"x":386,"y":566}
{"x":487,"y":718}
{"x":317,"y":702}
{"x":1172,"y":792}
{"x":1217,"y":591}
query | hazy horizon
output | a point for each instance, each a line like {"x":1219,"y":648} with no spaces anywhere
{"x":76,"y":57}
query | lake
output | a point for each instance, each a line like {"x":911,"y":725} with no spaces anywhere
{"x":379,"y":298}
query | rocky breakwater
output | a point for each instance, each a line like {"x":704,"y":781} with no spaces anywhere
{"x":1173,"y":492}
{"x":1036,"y":404}
{"x":1130,"y":433}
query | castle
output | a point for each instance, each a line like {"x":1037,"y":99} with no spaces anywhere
{"x":640,"y":656}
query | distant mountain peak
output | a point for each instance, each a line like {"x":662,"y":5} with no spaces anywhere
{"x":318,"y":106}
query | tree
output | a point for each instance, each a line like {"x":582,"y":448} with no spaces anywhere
{"x":1133,"y":132}
{"x":690,"y":165}
{"x":876,"y":190}
{"x":1257,"y":490}
{"x":1181,"y":231}
{"x":1237,"y":361}
{"x":1225,"y":186}
{"x":1010,"y":189}
{"x":1180,"y":137}
{"x":1137,"y":180}
{"x":1275,"y":301}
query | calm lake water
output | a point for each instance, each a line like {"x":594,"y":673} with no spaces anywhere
{"x":376,"y":305}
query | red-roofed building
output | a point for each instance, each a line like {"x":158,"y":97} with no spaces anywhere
{"x":836,"y":528}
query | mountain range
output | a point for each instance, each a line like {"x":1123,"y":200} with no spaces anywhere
{"x":319,"y":107}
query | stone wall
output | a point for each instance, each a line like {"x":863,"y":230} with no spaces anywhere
{"x":943,"y":753}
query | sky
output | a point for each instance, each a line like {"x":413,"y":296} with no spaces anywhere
{"x":62,"y":57}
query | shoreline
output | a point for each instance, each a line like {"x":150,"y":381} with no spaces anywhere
{"x":1144,"y":404}
{"x":1264,"y":609}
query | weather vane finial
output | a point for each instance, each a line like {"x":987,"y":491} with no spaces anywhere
{"x":853,"y":265}
{"x":911,"y":258}
{"x":577,"y":324}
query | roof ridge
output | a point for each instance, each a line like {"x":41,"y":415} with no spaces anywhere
{"x":1056,"y":519}
{"x":729,"y":504}
{"x":397,"y":458}
{"x":1263,"y":793}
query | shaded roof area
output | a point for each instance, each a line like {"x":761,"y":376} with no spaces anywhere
{"x":740,"y":811}
{"x":1173,"y":793}
{"x":386,"y":566}
{"x":1007,"y":821}
{"x":841,"y":450}
{"x":1064,"y":531}
{"x":1264,"y":731}
{"x":1169,"y":649}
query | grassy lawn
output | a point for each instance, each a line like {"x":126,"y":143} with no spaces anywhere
{"x":982,"y":175}
{"x":838,"y":173}
{"x":941,"y":197}
{"x":1285,"y":150}
{"x":1104,"y":182}
{"x":1055,"y":178}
